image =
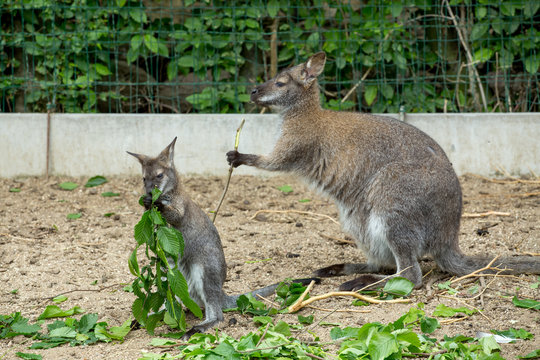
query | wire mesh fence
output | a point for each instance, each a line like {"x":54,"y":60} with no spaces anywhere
{"x":181,"y":56}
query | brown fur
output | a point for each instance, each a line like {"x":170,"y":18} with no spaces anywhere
{"x":395,"y":189}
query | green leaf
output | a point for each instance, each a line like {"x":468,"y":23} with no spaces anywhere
{"x":74,"y":216}
{"x":68,"y":185}
{"x":479,"y":30}
{"x":532,"y":63}
{"x":138,"y":15}
{"x":429,"y":325}
{"x":370,"y":94}
{"x":305,"y":319}
{"x":282,"y":328}
{"x":151,"y":43}
{"x":14,"y":190}
{"x":143,"y":230}
{"x":53,"y":311}
{"x":483,"y":55}
{"x":87,"y":323}
{"x":530,"y":8}
{"x":535,"y":354}
{"x":136,"y":42}
{"x":29,"y":356}
{"x":515,"y":334}
{"x":102,"y":69}
{"x":60,"y":298}
{"x":304,"y":200}
{"x":109,"y":194}
{"x":95,"y":181}
{"x":445,"y":311}
{"x":285,"y":189}
{"x":21,"y":327}
{"x":272,"y":7}
{"x":171,"y":241}
{"x":179,"y":287}
{"x":162,"y":342}
{"x":133,"y":263}
{"x":399,"y":286}
{"x":396,"y":8}
{"x":382,"y":345}
{"x":489,"y":344}
{"x":481,"y":12}
{"x":526,"y":303}
{"x":63,"y":332}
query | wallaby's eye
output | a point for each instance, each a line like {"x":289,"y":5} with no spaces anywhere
{"x":280,"y":84}
{"x":160,"y":176}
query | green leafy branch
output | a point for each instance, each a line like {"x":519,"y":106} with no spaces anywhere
{"x":160,"y":282}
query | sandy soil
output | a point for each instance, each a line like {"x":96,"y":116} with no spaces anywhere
{"x":43,"y":254}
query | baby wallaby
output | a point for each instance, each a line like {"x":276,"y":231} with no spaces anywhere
{"x":396,"y":191}
{"x":203,"y":262}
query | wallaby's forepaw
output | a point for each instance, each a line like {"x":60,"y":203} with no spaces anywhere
{"x":361,"y":282}
{"x":147,"y":202}
{"x":329,"y":271}
{"x":234,"y":158}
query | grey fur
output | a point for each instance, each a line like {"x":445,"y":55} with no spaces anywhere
{"x":203,"y":263}
{"x":395,"y":189}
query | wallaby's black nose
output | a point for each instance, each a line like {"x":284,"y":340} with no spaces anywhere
{"x":254,"y":91}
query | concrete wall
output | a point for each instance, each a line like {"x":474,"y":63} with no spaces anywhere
{"x":96,"y":144}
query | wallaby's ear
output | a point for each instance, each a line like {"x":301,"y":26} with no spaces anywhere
{"x":167,"y":154}
{"x":141,"y":158}
{"x":313,"y":67}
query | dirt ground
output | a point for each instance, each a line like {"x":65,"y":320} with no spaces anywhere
{"x":44,"y":254}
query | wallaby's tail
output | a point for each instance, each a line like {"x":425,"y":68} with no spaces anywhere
{"x":456,"y":263}
{"x":230,"y":301}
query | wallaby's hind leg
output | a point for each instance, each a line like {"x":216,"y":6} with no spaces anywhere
{"x":213,"y":316}
{"x":408,"y":267}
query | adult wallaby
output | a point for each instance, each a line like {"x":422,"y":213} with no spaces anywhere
{"x":203,"y":262}
{"x":396,"y":191}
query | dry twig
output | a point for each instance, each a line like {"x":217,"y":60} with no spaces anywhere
{"x":295,"y":212}
{"x":294,"y":307}
{"x":484,"y":214}
{"x":476,"y":272}
{"x":236,"y":142}
{"x":338,"y":240}
{"x":353,"y":294}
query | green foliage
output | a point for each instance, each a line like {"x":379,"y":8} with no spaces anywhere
{"x":109,"y":194}
{"x":85,"y":331}
{"x":526,"y":303}
{"x":285,"y":189}
{"x":445,"y":311}
{"x":204,"y":55}
{"x":74,"y":216}
{"x":95,"y":181}
{"x":53,"y":311}
{"x":68,"y":185}
{"x":160,"y":281}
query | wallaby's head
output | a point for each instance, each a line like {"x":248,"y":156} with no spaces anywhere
{"x":158,"y":171}
{"x":292,"y":86}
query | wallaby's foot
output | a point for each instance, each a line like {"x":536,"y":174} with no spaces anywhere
{"x":329,"y":271}
{"x":363,"y":282}
{"x":307,"y":281}
{"x":348,"y":269}
{"x":194,"y":330}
